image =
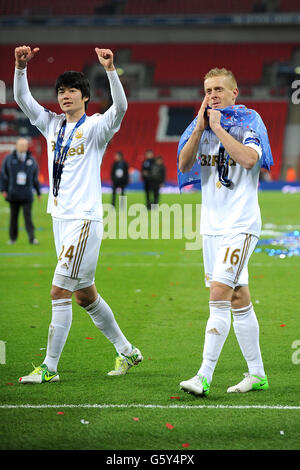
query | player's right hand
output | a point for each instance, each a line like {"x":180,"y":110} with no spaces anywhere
{"x":24,"y":54}
{"x":202,"y":121}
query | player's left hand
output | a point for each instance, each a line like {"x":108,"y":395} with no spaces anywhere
{"x":106,"y":58}
{"x":214,"y":118}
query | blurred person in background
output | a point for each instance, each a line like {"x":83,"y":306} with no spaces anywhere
{"x":119,"y":175}
{"x":153,"y":176}
{"x":19,"y":176}
{"x":158,"y":176}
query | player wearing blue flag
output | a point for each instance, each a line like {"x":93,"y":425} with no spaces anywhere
{"x":76,"y":144}
{"x":224,"y":149}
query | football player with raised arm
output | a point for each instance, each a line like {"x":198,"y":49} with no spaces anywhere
{"x":76,"y":144}
{"x":230,"y":226}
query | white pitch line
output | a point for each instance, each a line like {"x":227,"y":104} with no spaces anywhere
{"x":184,"y":407}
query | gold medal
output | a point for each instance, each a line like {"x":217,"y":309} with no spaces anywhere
{"x":55,"y":202}
{"x":218,"y":184}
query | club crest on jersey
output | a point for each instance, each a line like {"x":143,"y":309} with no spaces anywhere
{"x":79,"y":134}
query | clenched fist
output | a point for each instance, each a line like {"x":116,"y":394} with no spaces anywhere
{"x":24,"y":54}
{"x":106,"y":58}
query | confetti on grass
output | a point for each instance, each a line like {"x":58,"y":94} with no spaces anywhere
{"x":136,"y":419}
{"x":185,"y":445}
{"x":169,"y":426}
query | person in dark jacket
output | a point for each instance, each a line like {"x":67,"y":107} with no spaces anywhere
{"x":153,"y":175}
{"x":158,"y":176}
{"x":119,"y":175}
{"x":18,"y":178}
{"x":146,"y":175}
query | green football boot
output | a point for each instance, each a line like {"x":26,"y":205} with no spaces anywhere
{"x":250,"y":383}
{"x":124,"y":363}
{"x":197,"y":385}
{"x":40,"y":374}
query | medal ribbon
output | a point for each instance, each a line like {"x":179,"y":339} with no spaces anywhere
{"x":60,"y":153}
{"x":223,"y":168}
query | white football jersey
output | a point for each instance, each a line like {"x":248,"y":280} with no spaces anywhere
{"x":229,"y":210}
{"x":79,"y":195}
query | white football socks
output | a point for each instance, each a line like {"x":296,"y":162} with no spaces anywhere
{"x":217,"y":329}
{"x":104,"y":319}
{"x":58,"y":331}
{"x":246,"y":329}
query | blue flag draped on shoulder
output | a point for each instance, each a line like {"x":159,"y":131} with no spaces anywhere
{"x":236,"y":115}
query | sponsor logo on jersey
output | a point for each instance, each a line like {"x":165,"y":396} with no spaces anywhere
{"x":72,"y":150}
{"x":211,"y":160}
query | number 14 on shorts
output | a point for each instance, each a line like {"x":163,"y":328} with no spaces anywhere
{"x":68,"y":254}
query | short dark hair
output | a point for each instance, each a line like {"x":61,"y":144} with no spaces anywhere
{"x":72,"y":79}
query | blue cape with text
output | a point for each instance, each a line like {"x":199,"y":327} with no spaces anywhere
{"x":236,"y":115}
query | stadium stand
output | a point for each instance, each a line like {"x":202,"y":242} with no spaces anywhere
{"x":154,"y":80}
{"x":143,"y":7}
{"x":139,"y":132}
{"x":246,"y":60}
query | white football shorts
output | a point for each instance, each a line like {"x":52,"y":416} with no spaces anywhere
{"x":77,"y":244}
{"x":226,"y":258}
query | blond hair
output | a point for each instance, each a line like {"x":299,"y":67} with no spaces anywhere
{"x":222,"y":73}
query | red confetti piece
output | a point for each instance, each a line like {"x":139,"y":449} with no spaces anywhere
{"x":169,"y":426}
{"x":109,"y":268}
{"x":175,"y":398}
{"x":282,"y":324}
{"x":186,"y":444}
{"x":88,"y":337}
{"x":9,"y":383}
{"x":60,"y":413}
{"x":136,"y":419}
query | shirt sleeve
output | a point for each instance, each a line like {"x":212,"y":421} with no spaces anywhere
{"x":110,"y":121}
{"x":37,"y":114}
{"x":251,"y":139}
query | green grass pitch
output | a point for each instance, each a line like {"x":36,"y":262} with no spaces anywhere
{"x":156,"y":290}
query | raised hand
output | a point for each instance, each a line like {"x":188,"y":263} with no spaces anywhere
{"x":214,"y":117}
{"x":106,"y":58}
{"x":202,"y":120}
{"x":24,"y":54}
